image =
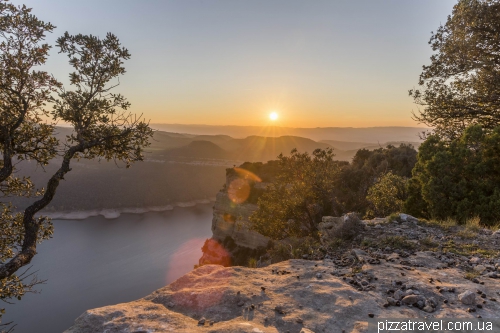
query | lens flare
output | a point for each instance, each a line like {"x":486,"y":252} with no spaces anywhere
{"x":238,"y":190}
{"x":245,"y":174}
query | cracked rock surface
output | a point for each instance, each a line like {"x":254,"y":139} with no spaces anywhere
{"x":306,"y":296}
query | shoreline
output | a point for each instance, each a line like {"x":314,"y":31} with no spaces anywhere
{"x":113,"y":213}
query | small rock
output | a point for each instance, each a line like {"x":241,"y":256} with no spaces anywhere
{"x":279,"y":309}
{"x":467,"y":297}
{"x":391,"y":301}
{"x":371,"y":315}
{"x":399,"y":294}
{"x":428,"y":309}
{"x":412,"y":299}
{"x":201,"y":321}
{"x":299,"y":320}
{"x":475,"y":260}
{"x":479,"y":268}
{"x":319,"y":275}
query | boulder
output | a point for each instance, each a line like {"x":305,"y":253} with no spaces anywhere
{"x":467,"y":297}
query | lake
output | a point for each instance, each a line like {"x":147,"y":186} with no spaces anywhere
{"x":96,"y":262}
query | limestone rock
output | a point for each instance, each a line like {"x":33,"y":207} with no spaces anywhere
{"x":467,"y":297}
{"x":223,"y":296}
{"x":479,"y":268}
{"x":231,"y":219}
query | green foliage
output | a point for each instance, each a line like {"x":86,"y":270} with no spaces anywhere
{"x":366,"y":167}
{"x":101,"y":127}
{"x":459,"y":178}
{"x":461,"y":85}
{"x":304,"y":188}
{"x":394,"y":217}
{"x":252,"y":262}
{"x":387,"y":195}
{"x":302,"y":192}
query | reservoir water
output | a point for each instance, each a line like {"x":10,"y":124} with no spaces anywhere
{"x":96,"y":262}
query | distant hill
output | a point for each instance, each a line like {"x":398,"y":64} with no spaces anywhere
{"x":345,"y":134}
{"x":199,"y":149}
{"x":343,"y":145}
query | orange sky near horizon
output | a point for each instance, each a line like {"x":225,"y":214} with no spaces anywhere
{"x":316,"y":63}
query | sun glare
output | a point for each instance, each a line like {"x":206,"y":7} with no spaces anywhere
{"x":273,"y":116}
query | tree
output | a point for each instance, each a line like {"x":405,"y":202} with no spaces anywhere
{"x":388,"y":195}
{"x":459,"y":178}
{"x":102,"y":128}
{"x":366,"y":168}
{"x":461,"y":86}
{"x":302,"y":192}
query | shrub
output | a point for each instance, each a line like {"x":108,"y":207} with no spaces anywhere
{"x":388,"y":194}
{"x":458,"y":178}
{"x":252,"y":262}
{"x":349,"y":229}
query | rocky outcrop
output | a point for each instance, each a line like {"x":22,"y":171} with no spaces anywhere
{"x":327,"y":295}
{"x":401,"y":269}
{"x":231,"y":219}
{"x":232,"y":209}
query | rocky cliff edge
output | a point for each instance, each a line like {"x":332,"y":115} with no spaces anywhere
{"x":335,"y":294}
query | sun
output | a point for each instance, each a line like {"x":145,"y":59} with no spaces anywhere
{"x":273,"y":116}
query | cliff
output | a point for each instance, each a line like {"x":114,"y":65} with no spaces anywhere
{"x":401,"y":269}
{"x":232,"y":240}
{"x":232,"y":219}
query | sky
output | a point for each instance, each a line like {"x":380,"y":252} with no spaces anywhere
{"x":229,"y":62}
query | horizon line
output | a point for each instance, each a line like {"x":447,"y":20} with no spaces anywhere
{"x":206,"y":125}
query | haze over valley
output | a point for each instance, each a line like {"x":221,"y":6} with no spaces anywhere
{"x":182,"y":168}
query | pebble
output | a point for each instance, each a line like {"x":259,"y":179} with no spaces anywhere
{"x":279,"y":309}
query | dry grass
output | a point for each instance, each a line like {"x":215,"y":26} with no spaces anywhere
{"x":473,"y":224}
{"x":448,"y":223}
{"x":429,"y":242}
{"x":443,"y":224}
{"x":471,"y":274}
{"x":397,"y":242}
{"x":467,"y":234}
{"x":252,"y":262}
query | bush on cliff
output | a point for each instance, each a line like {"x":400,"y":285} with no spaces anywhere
{"x":302,"y":192}
{"x":387,"y":195}
{"x":459,"y":178}
{"x":367,"y":167}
